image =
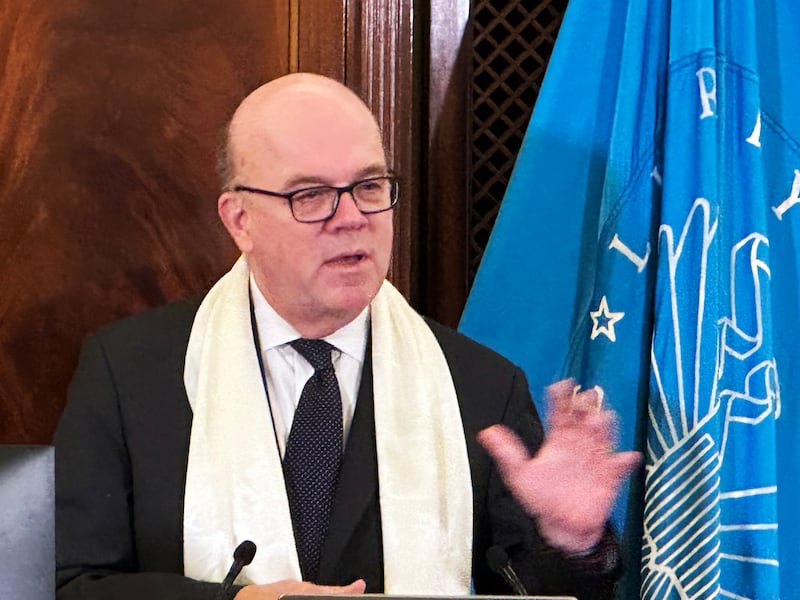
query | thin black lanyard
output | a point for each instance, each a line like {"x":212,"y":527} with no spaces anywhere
{"x":261,"y":367}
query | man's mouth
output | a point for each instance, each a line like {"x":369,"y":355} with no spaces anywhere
{"x":347,"y":259}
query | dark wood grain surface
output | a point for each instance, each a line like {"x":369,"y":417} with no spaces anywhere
{"x":443,"y":277}
{"x":384,"y":50}
{"x":109,"y":116}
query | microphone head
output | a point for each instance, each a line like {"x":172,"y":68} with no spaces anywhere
{"x":497,"y":558}
{"x":244,"y":552}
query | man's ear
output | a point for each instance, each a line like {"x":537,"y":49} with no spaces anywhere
{"x":232,"y":211}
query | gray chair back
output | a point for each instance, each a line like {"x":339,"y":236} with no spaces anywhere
{"x":27,"y":525}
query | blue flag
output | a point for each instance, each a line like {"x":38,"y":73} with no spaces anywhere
{"x":649,"y":244}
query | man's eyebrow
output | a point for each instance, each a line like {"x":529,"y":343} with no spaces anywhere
{"x":302,"y":181}
{"x":375,"y":170}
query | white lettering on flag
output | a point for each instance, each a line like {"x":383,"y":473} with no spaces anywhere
{"x":656,"y":175}
{"x":755,"y":137}
{"x":794,"y":197}
{"x":707,"y":94}
{"x":639,"y":261}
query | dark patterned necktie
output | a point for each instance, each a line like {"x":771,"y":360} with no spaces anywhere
{"x":314,"y":454}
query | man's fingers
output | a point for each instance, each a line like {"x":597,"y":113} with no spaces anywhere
{"x":505,"y":448}
{"x":559,"y":400}
{"x":567,"y":405}
{"x":627,"y":462}
{"x":598,"y":430}
{"x":357,"y":587}
{"x":587,"y":401}
{"x":278,"y":589}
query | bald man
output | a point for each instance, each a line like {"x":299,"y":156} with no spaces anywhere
{"x":361,"y":462}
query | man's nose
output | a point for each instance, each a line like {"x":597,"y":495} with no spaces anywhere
{"x":347,"y":213}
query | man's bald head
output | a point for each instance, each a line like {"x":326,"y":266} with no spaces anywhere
{"x":281,"y":106}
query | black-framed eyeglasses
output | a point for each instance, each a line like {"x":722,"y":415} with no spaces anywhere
{"x":319,"y":203}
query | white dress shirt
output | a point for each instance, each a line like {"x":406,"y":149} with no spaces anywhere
{"x":287,"y":371}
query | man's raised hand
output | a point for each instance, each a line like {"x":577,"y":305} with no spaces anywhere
{"x":570,"y":484}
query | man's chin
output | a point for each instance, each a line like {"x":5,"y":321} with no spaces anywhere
{"x":352,"y":302}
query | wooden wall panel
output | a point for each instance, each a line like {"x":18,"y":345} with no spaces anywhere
{"x":447,"y":168}
{"x":108,"y":120}
{"x":384,"y":65}
{"x":320,"y":30}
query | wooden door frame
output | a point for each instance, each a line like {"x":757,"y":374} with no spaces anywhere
{"x":410,"y":61}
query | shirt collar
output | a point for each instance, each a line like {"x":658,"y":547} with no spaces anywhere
{"x":275,"y":331}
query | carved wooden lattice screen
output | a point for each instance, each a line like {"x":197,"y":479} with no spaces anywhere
{"x":512,"y":43}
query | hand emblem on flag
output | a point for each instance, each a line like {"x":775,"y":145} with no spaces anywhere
{"x":705,"y":526}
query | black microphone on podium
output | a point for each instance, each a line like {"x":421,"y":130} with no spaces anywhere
{"x":242,"y":556}
{"x":501,"y":564}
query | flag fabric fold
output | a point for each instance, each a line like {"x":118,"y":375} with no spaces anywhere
{"x":649,"y":243}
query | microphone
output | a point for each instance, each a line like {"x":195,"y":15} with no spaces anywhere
{"x":242,"y":556}
{"x":501,"y":564}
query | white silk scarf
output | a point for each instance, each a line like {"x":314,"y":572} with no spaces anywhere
{"x":234,"y":481}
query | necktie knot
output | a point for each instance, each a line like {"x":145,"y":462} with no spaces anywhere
{"x":316,"y":352}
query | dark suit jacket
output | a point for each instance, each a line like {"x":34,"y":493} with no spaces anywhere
{"x":121,"y":456}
